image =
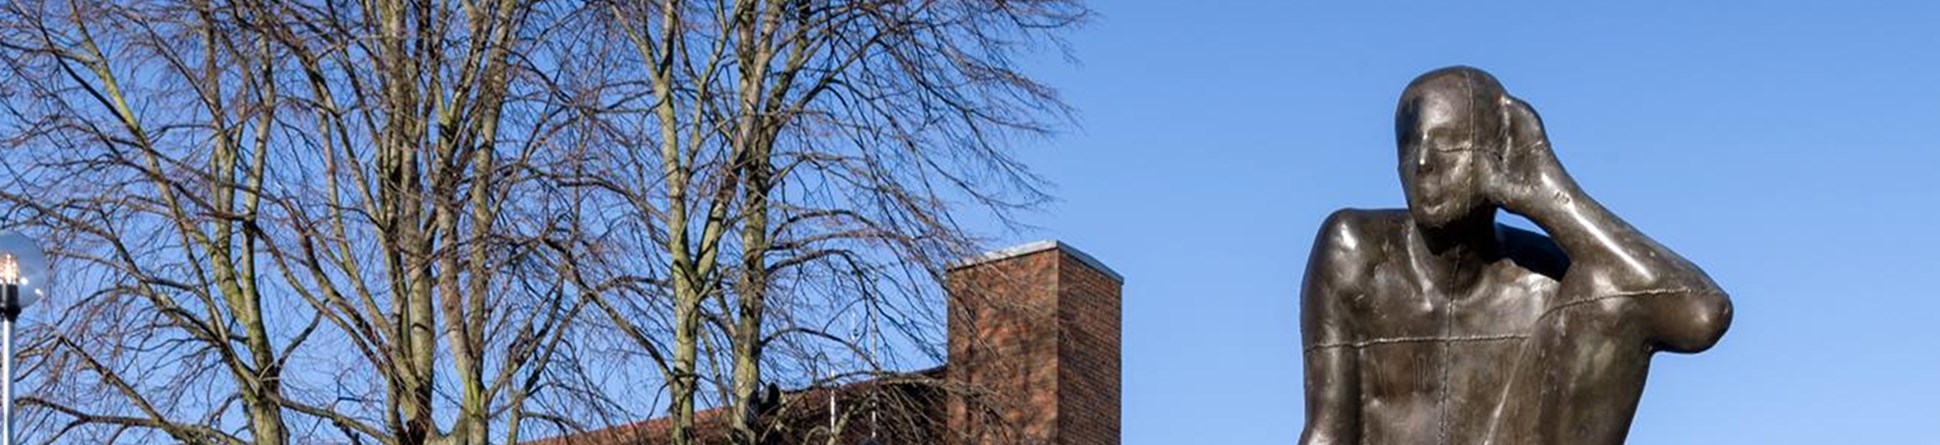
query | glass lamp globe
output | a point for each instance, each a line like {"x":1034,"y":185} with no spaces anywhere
{"x":23,"y":265}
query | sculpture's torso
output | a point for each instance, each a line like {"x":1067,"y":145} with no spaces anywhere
{"x":1434,"y":363}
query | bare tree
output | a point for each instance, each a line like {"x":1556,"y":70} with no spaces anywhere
{"x":834,"y":140}
{"x":384,"y":221}
{"x":233,"y":187}
{"x":146,"y":129}
{"x":407,"y":125}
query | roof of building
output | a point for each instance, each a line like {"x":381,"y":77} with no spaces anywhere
{"x":1035,"y":247}
{"x":710,"y":425}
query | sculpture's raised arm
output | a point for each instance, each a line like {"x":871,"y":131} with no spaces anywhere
{"x":1581,"y":370}
{"x":1683,"y":310}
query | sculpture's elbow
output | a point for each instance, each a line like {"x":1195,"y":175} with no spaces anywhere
{"x":1696,"y":323}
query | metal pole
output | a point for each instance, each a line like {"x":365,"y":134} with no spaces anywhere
{"x":9,"y":302}
{"x":6,"y":368}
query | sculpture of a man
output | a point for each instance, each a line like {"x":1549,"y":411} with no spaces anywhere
{"x":1435,"y":325}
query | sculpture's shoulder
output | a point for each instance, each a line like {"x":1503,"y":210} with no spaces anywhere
{"x":1352,"y":242}
{"x":1347,"y":254}
{"x":1533,"y":251}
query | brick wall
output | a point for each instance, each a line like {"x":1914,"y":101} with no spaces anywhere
{"x":1088,"y":354}
{"x":1034,"y":330}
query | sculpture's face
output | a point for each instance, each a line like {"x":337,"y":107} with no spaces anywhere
{"x":1443,"y":143}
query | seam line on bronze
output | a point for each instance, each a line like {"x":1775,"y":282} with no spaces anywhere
{"x":1432,"y":339}
{"x":1632,"y":294}
{"x":1447,"y":329}
{"x":1501,"y":337}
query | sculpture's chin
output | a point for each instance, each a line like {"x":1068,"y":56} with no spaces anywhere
{"x":1435,"y":215}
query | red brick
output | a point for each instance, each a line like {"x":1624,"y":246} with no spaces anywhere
{"x":1036,"y":329}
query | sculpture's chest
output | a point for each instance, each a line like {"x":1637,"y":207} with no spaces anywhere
{"x":1433,"y":362}
{"x":1398,"y":306}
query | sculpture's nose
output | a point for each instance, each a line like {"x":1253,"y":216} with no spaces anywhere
{"x":1423,"y":167}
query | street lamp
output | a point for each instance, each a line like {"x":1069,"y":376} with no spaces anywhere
{"x":23,"y":280}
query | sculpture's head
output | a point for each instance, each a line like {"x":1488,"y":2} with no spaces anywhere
{"x":1450,"y":121}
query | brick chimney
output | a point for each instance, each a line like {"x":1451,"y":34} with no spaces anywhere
{"x":1034,"y":335}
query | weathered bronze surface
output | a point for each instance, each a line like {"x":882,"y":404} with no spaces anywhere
{"x":1435,"y":325}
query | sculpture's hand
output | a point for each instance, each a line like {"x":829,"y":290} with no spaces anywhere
{"x":1527,"y":179}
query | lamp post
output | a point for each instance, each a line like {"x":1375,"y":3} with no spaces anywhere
{"x":23,"y":280}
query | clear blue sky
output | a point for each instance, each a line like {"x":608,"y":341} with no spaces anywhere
{"x":1789,"y":148}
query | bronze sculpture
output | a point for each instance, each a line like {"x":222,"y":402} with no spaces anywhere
{"x":1435,"y":325}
